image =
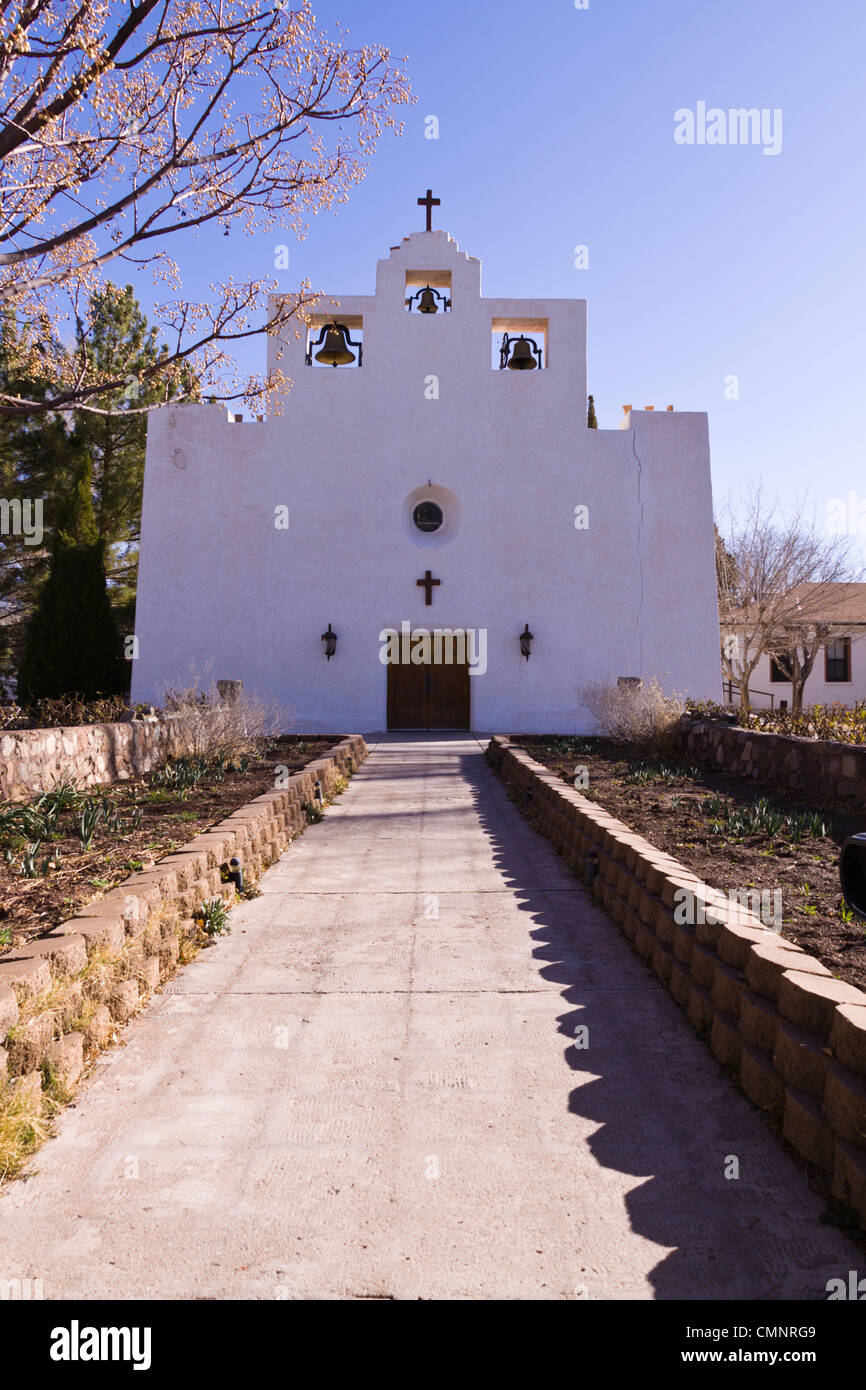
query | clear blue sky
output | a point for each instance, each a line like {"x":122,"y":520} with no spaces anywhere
{"x":556,"y":129}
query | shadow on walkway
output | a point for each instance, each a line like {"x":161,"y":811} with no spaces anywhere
{"x":666,"y":1112}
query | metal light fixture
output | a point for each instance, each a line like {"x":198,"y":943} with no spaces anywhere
{"x":330,"y":640}
{"x":427,"y":300}
{"x":523,"y":354}
{"x":236,"y":874}
{"x":337,"y":340}
{"x":526,"y":640}
{"x":852,"y":872}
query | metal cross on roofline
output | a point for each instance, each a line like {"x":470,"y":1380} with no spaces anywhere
{"x":429,"y":203}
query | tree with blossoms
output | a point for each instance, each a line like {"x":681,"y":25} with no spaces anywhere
{"x":126,"y":127}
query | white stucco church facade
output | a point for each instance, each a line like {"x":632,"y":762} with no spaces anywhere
{"x":419,"y":488}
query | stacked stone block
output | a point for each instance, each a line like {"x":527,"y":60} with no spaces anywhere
{"x":63,"y":995}
{"x":88,"y":755}
{"x":821,"y":767}
{"x":794,"y":1036}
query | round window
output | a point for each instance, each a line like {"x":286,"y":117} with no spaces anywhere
{"x":428,"y":516}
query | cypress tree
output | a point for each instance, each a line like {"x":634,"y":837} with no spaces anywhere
{"x":72,"y":645}
{"x":591,"y":421}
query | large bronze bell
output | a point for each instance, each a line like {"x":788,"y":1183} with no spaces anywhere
{"x":427,"y":302}
{"x":522,"y":359}
{"x":336,"y":353}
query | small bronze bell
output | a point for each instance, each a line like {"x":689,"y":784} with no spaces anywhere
{"x":521,"y":359}
{"x":335,"y":353}
{"x":427,"y":303}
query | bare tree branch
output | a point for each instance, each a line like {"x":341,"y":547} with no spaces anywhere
{"x":779,"y":579}
{"x":122,"y":126}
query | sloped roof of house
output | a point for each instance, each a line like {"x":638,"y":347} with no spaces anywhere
{"x":840,"y":603}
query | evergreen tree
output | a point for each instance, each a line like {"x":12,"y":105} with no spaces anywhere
{"x":591,"y":421}
{"x":5,"y":661}
{"x":40,"y":456}
{"x":71,"y":644}
{"x":726,"y":566}
{"x":119,"y":344}
{"x":35,"y":464}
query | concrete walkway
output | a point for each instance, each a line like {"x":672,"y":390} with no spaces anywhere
{"x":370,"y":1090}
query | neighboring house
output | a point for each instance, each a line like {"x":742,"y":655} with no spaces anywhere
{"x":839,"y":673}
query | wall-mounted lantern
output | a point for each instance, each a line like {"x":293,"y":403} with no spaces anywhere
{"x":427,"y":300}
{"x":523,"y":354}
{"x":335,"y":353}
{"x":526,"y":640}
{"x":330,"y":640}
{"x":852,"y":872}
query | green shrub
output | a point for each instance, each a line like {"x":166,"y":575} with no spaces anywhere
{"x":834,"y":722}
{"x":72,"y":641}
{"x":87,"y":822}
{"x":762,"y":818}
{"x":212,"y":917}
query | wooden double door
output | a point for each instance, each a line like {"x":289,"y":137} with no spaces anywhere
{"x":429,"y":696}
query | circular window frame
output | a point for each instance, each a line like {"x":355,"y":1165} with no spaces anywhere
{"x":448,"y":504}
{"x":428,"y":530}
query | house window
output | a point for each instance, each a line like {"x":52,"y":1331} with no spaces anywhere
{"x":777,"y":675}
{"x":837,"y":660}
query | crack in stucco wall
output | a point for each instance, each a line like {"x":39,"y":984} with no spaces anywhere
{"x":639,"y":552}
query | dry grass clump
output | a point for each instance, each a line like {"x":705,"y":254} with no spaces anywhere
{"x":641,"y":717}
{"x":23,"y":1125}
{"x":213,"y":724}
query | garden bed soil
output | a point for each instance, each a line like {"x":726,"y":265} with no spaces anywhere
{"x":31,"y":906}
{"x":669,"y":814}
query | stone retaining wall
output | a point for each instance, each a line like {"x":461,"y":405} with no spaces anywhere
{"x":774,"y":1016}
{"x":35,"y":760}
{"x":816,"y":766}
{"x":63,"y":995}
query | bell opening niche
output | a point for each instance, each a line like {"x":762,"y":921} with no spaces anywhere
{"x":519,"y":345}
{"x":335,"y":342}
{"x":428,"y":292}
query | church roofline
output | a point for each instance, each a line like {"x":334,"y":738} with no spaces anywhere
{"x":442,"y":241}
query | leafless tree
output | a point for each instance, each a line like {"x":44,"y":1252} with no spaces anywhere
{"x":778,"y":590}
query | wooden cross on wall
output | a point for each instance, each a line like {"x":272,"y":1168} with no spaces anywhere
{"x":429,"y":203}
{"x":428,"y":583}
